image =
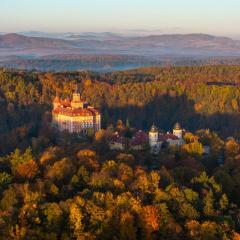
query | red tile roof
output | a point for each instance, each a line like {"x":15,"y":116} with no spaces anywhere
{"x":116,"y":138}
{"x":139,"y":138}
{"x":168,"y":136}
{"x":69,"y":111}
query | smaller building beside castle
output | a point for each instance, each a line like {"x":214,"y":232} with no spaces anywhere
{"x":75,"y":116}
{"x":172,"y":139}
{"x":154,"y":139}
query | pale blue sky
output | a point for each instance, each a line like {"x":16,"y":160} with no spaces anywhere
{"x":220,"y":17}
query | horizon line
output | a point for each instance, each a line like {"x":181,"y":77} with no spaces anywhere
{"x":126,"y":33}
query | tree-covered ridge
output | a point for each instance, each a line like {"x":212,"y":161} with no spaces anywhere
{"x":74,"y":192}
{"x":64,"y":187}
{"x":198,"y":97}
{"x":81,"y":190}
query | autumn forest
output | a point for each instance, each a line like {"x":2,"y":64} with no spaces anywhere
{"x":59,"y":186}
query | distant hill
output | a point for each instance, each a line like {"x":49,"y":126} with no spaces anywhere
{"x":17,"y":41}
{"x":104,"y":36}
{"x":109,"y":43}
{"x":188,"y":44}
{"x":147,"y":49}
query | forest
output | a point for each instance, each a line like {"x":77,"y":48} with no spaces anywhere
{"x":106,"y":63}
{"x":58,"y":186}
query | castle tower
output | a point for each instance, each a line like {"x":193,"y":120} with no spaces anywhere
{"x":76,"y":99}
{"x":153,"y":136}
{"x":56,"y":102}
{"x":177,"y":131}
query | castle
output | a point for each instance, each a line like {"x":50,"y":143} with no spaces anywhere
{"x":75,"y":116}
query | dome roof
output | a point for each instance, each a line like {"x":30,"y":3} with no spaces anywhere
{"x":56,"y":99}
{"x":154,"y":129}
{"x":177,"y":126}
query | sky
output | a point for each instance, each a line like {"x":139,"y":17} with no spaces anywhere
{"x":218,"y":17}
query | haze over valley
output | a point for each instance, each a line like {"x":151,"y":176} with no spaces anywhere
{"x":110,"y":51}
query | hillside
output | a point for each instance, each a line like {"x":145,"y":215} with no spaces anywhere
{"x":198,"y":97}
{"x":61,"y":186}
{"x":189,"y":44}
{"x":68,"y":52}
{"x":16,"y":41}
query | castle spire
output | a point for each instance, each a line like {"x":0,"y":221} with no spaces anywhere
{"x":154,"y":128}
{"x":77,"y":89}
{"x":177,"y":130}
{"x":56,"y":101}
{"x":76,"y":99}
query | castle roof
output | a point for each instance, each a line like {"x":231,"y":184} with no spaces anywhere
{"x":165,"y":137}
{"x":177,"y":126}
{"x":154,"y":129}
{"x":139,"y":138}
{"x":74,"y":112}
{"x":116,"y":138}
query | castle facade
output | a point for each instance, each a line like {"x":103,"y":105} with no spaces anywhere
{"x":75,"y":116}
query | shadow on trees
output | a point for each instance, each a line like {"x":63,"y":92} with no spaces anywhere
{"x":19,"y":126}
{"x":166,"y":110}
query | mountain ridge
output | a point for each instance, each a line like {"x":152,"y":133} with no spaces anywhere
{"x":15,"y":40}
{"x":195,"y":45}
